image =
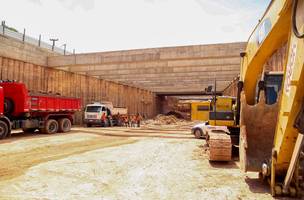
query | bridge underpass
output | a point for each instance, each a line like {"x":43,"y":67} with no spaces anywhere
{"x":169,"y":71}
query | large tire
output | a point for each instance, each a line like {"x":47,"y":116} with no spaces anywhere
{"x":8,"y":106}
{"x":4,"y":130}
{"x":197,"y":133}
{"x":51,"y":127}
{"x":65,"y":125}
{"x":29,"y":130}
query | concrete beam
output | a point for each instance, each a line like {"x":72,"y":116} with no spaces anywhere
{"x":153,"y":54}
{"x":220,"y":69}
{"x":188,"y":93}
{"x":211,"y":63}
{"x":168,"y":75}
{"x":189,"y":68}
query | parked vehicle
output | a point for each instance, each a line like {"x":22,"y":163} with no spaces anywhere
{"x":21,"y":109}
{"x":104,"y":114}
{"x":197,"y":130}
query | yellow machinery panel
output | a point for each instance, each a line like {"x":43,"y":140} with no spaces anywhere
{"x":224,"y":103}
{"x":200,"y":110}
{"x":228,"y":123}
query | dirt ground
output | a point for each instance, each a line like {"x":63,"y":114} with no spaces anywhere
{"x":164,"y":162}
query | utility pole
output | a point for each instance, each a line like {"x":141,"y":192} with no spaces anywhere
{"x":23,"y":36}
{"x":39,"y":42}
{"x":3,"y":27}
{"x":64,"y":48}
{"x":53,"y":40}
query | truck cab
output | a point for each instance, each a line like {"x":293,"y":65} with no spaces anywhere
{"x":98,"y":114}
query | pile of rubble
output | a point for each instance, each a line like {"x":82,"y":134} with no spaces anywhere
{"x":163,"y":120}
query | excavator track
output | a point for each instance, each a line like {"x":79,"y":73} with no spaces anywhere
{"x":219,"y":143}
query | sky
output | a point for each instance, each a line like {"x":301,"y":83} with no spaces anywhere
{"x":107,"y":25}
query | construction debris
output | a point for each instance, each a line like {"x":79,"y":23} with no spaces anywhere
{"x":164,"y":120}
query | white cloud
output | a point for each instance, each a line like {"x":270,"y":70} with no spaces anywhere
{"x":89,"y":25}
{"x":36,"y":1}
{"x":85,"y":4}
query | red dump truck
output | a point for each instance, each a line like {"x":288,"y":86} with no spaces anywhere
{"x":21,"y":109}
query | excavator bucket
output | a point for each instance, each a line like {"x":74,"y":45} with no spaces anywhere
{"x":257,"y":129}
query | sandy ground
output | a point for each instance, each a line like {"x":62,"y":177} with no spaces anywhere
{"x":119,"y":163}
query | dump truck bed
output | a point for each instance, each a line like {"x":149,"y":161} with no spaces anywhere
{"x":19,"y":101}
{"x":53,"y":103}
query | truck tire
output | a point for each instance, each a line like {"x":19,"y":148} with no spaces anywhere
{"x":51,"y":127}
{"x":4,"y":130}
{"x":8,"y":106}
{"x":197,"y":133}
{"x":64,"y":125}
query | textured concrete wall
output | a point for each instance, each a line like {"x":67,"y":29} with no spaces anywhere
{"x":14,"y":49}
{"x":27,"y":64}
{"x":89,"y":89}
{"x":231,"y":89}
{"x":171,"y":69}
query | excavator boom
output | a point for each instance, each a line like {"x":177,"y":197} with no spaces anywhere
{"x":271,"y":143}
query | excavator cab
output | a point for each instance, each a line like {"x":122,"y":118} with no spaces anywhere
{"x":273,"y":84}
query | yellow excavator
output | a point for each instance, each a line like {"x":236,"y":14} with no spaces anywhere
{"x":271,"y":134}
{"x":270,"y":100}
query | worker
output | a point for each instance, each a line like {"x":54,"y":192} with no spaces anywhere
{"x":138,"y":119}
{"x":118,"y":118}
{"x":133,"y":121}
{"x":126,"y":121}
{"x":103,"y":118}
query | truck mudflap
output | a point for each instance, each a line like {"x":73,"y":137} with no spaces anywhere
{"x":257,"y":130}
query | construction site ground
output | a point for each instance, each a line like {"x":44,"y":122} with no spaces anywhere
{"x":151,"y":162}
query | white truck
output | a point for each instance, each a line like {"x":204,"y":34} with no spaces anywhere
{"x":104,"y":114}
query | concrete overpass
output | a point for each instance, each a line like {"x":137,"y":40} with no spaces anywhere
{"x":169,"y":70}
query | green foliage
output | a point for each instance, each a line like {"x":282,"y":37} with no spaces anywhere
{"x":11,"y":28}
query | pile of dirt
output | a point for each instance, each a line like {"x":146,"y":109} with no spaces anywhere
{"x":164,"y":120}
{"x":167,"y":119}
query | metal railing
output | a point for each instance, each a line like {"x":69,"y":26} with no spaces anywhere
{"x":4,"y":30}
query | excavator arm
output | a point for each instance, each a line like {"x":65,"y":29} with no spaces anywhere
{"x":278,"y":134}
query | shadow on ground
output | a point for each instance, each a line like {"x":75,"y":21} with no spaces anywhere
{"x":257,"y":186}
{"x":223,"y":164}
{"x":145,"y":135}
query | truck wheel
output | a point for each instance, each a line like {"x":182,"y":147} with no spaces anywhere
{"x":64,"y":125}
{"x":4,"y":130}
{"x":51,"y":126}
{"x":197,"y":133}
{"x":28,"y":130}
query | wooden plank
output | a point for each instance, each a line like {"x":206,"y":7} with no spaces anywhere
{"x":10,"y":72}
